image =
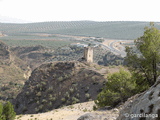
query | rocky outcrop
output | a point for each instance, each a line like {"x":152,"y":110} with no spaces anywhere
{"x":145,"y":106}
{"x":98,"y":116}
{"x":53,"y":85}
{"x":92,"y":116}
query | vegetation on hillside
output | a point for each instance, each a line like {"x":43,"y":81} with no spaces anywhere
{"x":101,"y":56}
{"x":12,"y":72}
{"x":29,"y":43}
{"x":53,"y":85}
{"x":113,"y":30}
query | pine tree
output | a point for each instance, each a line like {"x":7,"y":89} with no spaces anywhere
{"x":2,"y":117}
{"x":1,"y":111}
{"x":145,"y":60}
{"x":119,"y":88}
{"x":8,"y":111}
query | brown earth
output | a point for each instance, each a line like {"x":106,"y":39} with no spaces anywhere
{"x":72,"y":112}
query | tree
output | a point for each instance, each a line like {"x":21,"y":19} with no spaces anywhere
{"x":1,"y":112}
{"x":119,"y":87}
{"x":8,"y":111}
{"x":143,"y":59}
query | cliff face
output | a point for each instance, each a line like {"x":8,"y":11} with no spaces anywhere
{"x":145,"y":106}
{"x":4,"y":51}
{"x":54,"y":85}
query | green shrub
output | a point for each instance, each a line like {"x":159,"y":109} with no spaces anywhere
{"x":41,"y":107}
{"x":52,"y":98}
{"x":44,"y":101}
{"x":119,"y":87}
{"x":60,"y":79}
{"x":63,"y":99}
{"x":7,"y":111}
{"x":77,"y":95}
{"x":38,"y":94}
{"x":37,"y":109}
{"x":75,"y":100}
{"x":94,"y":107}
{"x":50,"y":104}
{"x":87,"y":95}
{"x":2,"y":117}
{"x":71,"y":90}
{"x":67,"y":95}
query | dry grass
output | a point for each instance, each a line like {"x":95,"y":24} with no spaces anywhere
{"x":72,"y":112}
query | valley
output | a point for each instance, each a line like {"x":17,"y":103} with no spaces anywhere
{"x":44,"y":71}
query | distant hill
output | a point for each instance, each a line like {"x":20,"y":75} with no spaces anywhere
{"x":5,"y":19}
{"x":113,"y":30}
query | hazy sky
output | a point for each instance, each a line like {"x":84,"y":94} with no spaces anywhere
{"x":70,"y":10}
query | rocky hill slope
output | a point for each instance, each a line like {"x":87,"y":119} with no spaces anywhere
{"x":144,"y":106}
{"x":54,"y":85}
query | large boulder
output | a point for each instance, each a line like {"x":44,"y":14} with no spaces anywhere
{"x":145,"y":106}
{"x":92,"y":116}
{"x":105,"y":115}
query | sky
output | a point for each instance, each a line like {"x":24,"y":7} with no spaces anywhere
{"x":73,"y":10}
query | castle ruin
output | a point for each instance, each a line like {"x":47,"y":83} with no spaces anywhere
{"x":88,"y":54}
{"x":1,"y":34}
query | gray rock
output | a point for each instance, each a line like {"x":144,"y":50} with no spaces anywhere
{"x":92,"y":116}
{"x":115,"y":110}
{"x":145,"y":106}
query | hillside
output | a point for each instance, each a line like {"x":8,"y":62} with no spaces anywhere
{"x":17,"y":63}
{"x":33,"y":56}
{"x":54,"y":85}
{"x":13,"y":73}
{"x":113,"y":30}
{"x":4,"y":52}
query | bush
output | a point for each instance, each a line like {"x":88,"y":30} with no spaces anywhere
{"x":7,"y":112}
{"x":87,"y":95}
{"x":119,"y":87}
{"x":2,"y":117}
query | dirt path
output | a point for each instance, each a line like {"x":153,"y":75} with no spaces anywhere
{"x":72,"y":112}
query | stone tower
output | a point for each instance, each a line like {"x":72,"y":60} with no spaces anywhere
{"x":1,"y":33}
{"x":88,"y":54}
